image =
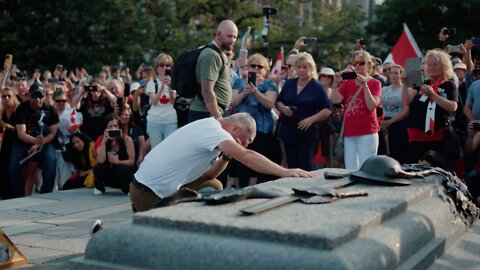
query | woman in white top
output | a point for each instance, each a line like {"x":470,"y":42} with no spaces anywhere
{"x":395,"y":101}
{"x":161,"y":117}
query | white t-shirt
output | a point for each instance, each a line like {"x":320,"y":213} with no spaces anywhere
{"x":182,"y":157}
{"x":392,"y":101}
{"x":163,"y":112}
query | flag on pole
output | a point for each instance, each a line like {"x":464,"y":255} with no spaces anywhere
{"x":277,"y":67}
{"x":405,"y":48}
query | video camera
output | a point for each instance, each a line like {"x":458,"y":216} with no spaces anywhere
{"x":267,"y":11}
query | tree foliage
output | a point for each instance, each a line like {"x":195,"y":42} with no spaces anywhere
{"x":425,"y":19}
{"x":90,"y":33}
{"x":74,"y":33}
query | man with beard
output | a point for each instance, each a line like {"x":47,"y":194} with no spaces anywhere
{"x":213,"y":74}
{"x":36,"y":124}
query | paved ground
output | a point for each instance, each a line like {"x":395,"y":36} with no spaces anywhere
{"x":50,"y":229}
{"x":55,"y":226}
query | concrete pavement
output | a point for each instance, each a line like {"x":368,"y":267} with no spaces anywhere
{"x":55,"y":226}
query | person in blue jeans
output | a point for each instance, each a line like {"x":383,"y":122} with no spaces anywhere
{"x":36,"y":123}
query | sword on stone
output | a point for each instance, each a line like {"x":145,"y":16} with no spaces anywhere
{"x":325,"y":193}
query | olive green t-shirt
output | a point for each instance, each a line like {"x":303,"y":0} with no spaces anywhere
{"x":209,"y":67}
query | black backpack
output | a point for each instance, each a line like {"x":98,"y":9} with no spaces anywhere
{"x":184,"y":76}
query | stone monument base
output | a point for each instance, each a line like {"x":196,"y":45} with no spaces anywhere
{"x":394,"y":227}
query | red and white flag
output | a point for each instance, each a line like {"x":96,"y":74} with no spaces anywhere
{"x":405,"y":48}
{"x":277,"y":67}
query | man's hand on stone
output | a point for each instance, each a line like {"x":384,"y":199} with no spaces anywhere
{"x":297,"y":173}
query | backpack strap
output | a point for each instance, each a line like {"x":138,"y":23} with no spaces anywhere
{"x":215,"y":48}
{"x":156,"y":85}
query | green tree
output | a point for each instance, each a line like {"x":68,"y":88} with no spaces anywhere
{"x":425,"y":19}
{"x":74,"y":33}
{"x":94,"y":33}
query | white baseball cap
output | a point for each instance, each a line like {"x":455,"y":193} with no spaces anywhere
{"x":327,"y":71}
{"x":134,"y":86}
{"x":460,"y":65}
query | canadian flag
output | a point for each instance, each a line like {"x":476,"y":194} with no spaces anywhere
{"x":277,"y":67}
{"x":405,"y":48}
{"x":76,"y":120}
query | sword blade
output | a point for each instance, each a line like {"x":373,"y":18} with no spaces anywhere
{"x":270,"y":204}
{"x":279,"y":201}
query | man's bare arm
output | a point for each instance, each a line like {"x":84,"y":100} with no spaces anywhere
{"x":258,"y":162}
{"x":210,"y":99}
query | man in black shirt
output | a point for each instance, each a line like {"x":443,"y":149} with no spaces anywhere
{"x":36,"y":125}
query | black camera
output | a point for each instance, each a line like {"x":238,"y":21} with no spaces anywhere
{"x":362,"y":41}
{"x":309,"y":41}
{"x":450,"y":31}
{"x":269,"y":11}
{"x":168,"y":72}
{"x":90,"y":88}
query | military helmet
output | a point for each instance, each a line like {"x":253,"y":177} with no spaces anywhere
{"x":380,"y":169}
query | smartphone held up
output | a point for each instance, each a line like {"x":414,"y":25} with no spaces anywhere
{"x":252,"y":78}
{"x":453,"y":49}
{"x":115,"y":133}
{"x":9,"y":59}
{"x":243,"y":53}
{"x":351,"y":75}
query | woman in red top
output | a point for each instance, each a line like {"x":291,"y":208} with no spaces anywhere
{"x":360,"y":121}
{"x":432,"y":106}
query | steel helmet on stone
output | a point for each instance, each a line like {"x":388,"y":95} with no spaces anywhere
{"x":381,"y":169}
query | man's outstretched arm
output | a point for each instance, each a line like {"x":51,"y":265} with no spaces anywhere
{"x":258,"y":162}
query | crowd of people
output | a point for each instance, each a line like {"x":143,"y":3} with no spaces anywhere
{"x":63,"y":130}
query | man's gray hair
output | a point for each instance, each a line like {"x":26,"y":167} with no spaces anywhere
{"x":245,"y":121}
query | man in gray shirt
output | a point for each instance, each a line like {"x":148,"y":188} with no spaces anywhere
{"x":213,"y":74}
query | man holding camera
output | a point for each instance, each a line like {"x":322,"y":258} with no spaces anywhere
{"x":213,"y":73}
{"x":95,"y":102}
{"x":36,"y":124}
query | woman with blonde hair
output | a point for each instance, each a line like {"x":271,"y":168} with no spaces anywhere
{"x":7,"y":135}
{"x":360,"y":120}
{"x":161,"y":117}
{"x":432,"y":107}
{"x":257,"y":99}
{"x":302,"y":103}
